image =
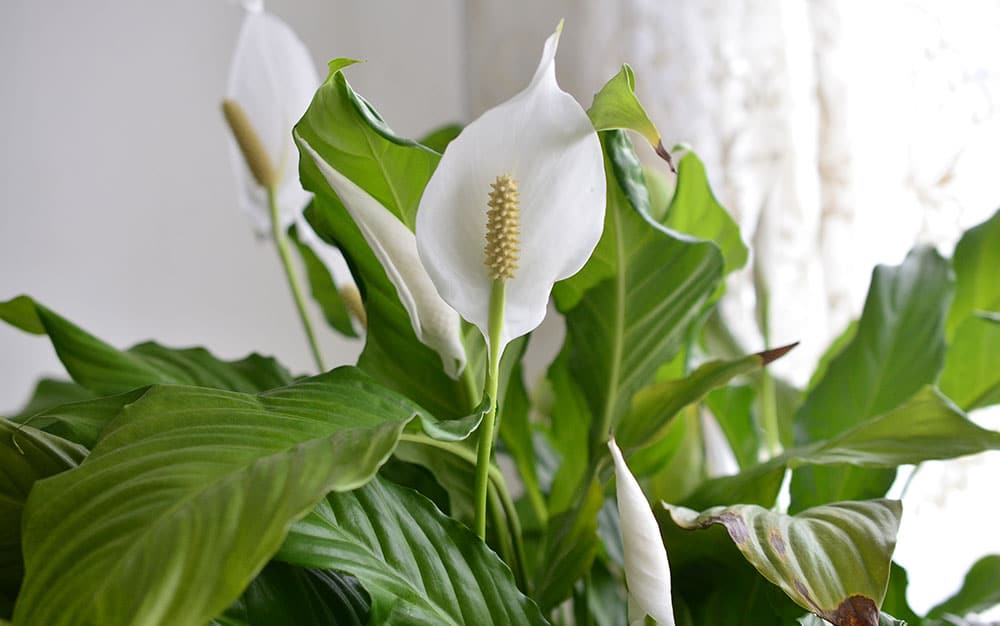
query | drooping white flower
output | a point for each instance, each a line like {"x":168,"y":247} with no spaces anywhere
{"x":647,"y":570}
{"x":544,"y":142}
{"x":434,"y":322}
{"x":272,"y":79}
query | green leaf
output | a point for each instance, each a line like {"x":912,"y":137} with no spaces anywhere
{"x":439,"y":138}
{"x":629,"y":309}
{"x":285,"y":595}
{"x":568,"y":549}
{"x":350,"y":136}
{"x":977,"y":256}
{"x":733,"y":409}
{"x":926,"y":427}
{"x":694,"y":210}
{"x":190,"y":491}
{"x":616,"y":107}
{"x":979,"y":591}
{"x":26,"y":456}
{"x":419,"y":566}
{"x":895,"y":596}
{"x":105,"y":370}
{"x":50,"y":393}
{"x":831,"y":560}
{"x":899,"y":347}
{"x":654,"y":406}
{"x":971,"y":375}
{"x":324,"y":290}
{"x":82,"y":422}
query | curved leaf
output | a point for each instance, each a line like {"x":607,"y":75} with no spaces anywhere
{"x":976,"y":258}
{"x":285,"y":595}
{"x":102,"y":369}
{"x":190,"y":491}
{"x":832,"y":560}
{"x":50,"y":393}
{"x":616,"y":107}
{"x":26,"y":456}
{"x":979,"y":591}
{"x":899,"y":347}
{"x":419,"y":566}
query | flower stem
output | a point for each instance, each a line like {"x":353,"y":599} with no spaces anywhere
{"x":281,"y":243}
{"x":498,"y":296}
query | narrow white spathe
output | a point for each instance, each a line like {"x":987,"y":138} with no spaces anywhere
{"x":273,"y":78}
{"x":435,"y":323}
{"x":542,"y":138}
{"x":647,"y":570}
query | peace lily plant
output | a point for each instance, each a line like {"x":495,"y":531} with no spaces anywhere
{"x":429,"y":483}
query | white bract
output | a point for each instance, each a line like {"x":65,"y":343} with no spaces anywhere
{"x":272,"y":78}
{"x":543,"y":139}
{"x":647,"y":571}
{"x":434,"y":322}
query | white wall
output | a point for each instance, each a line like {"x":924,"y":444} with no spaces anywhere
{"x":117,"y":203}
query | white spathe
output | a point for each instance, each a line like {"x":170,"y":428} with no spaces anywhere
{"x":273,"y":78}
{"x":434,"y":322}
{"x":647,"y":570}
{"x":542,"y":138}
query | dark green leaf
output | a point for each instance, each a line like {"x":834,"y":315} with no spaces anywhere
{"x":895,"y":596}
{"x":26,"y":456}
{"x":285,"y":595}
{"x":419,"y":566}
{"x":82,"y":422}
{"x":832,"y":560}
{"x":979,"y":591}
{"x":190,"y":491}
{"x":103,"y":370}
{"x":899,"y":347}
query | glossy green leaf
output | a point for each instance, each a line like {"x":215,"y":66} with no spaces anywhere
{"x":190,"y":491}
{"x":419,"y":566}
{"x":654,"y":406}
{"x":628,"y":310}
{"x":324,"y":290}
{"x":976,"y":259}
{"x":103,"y":370}
{"x":979,"y":592}
{"x":694,"y":210}
{"x":899,"y":347}
{"x":345,"y":130}
{"x":285,"y":595}
{"x":831,"y":560}
{"x":352,"y":137}
{"x":27,"y":455}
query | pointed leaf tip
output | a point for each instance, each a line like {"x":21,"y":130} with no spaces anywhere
{"x":664,"y":154}
{"x":772,"y":355}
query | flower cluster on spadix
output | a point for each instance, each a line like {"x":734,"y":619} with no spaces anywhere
{"x":541,"y":147}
